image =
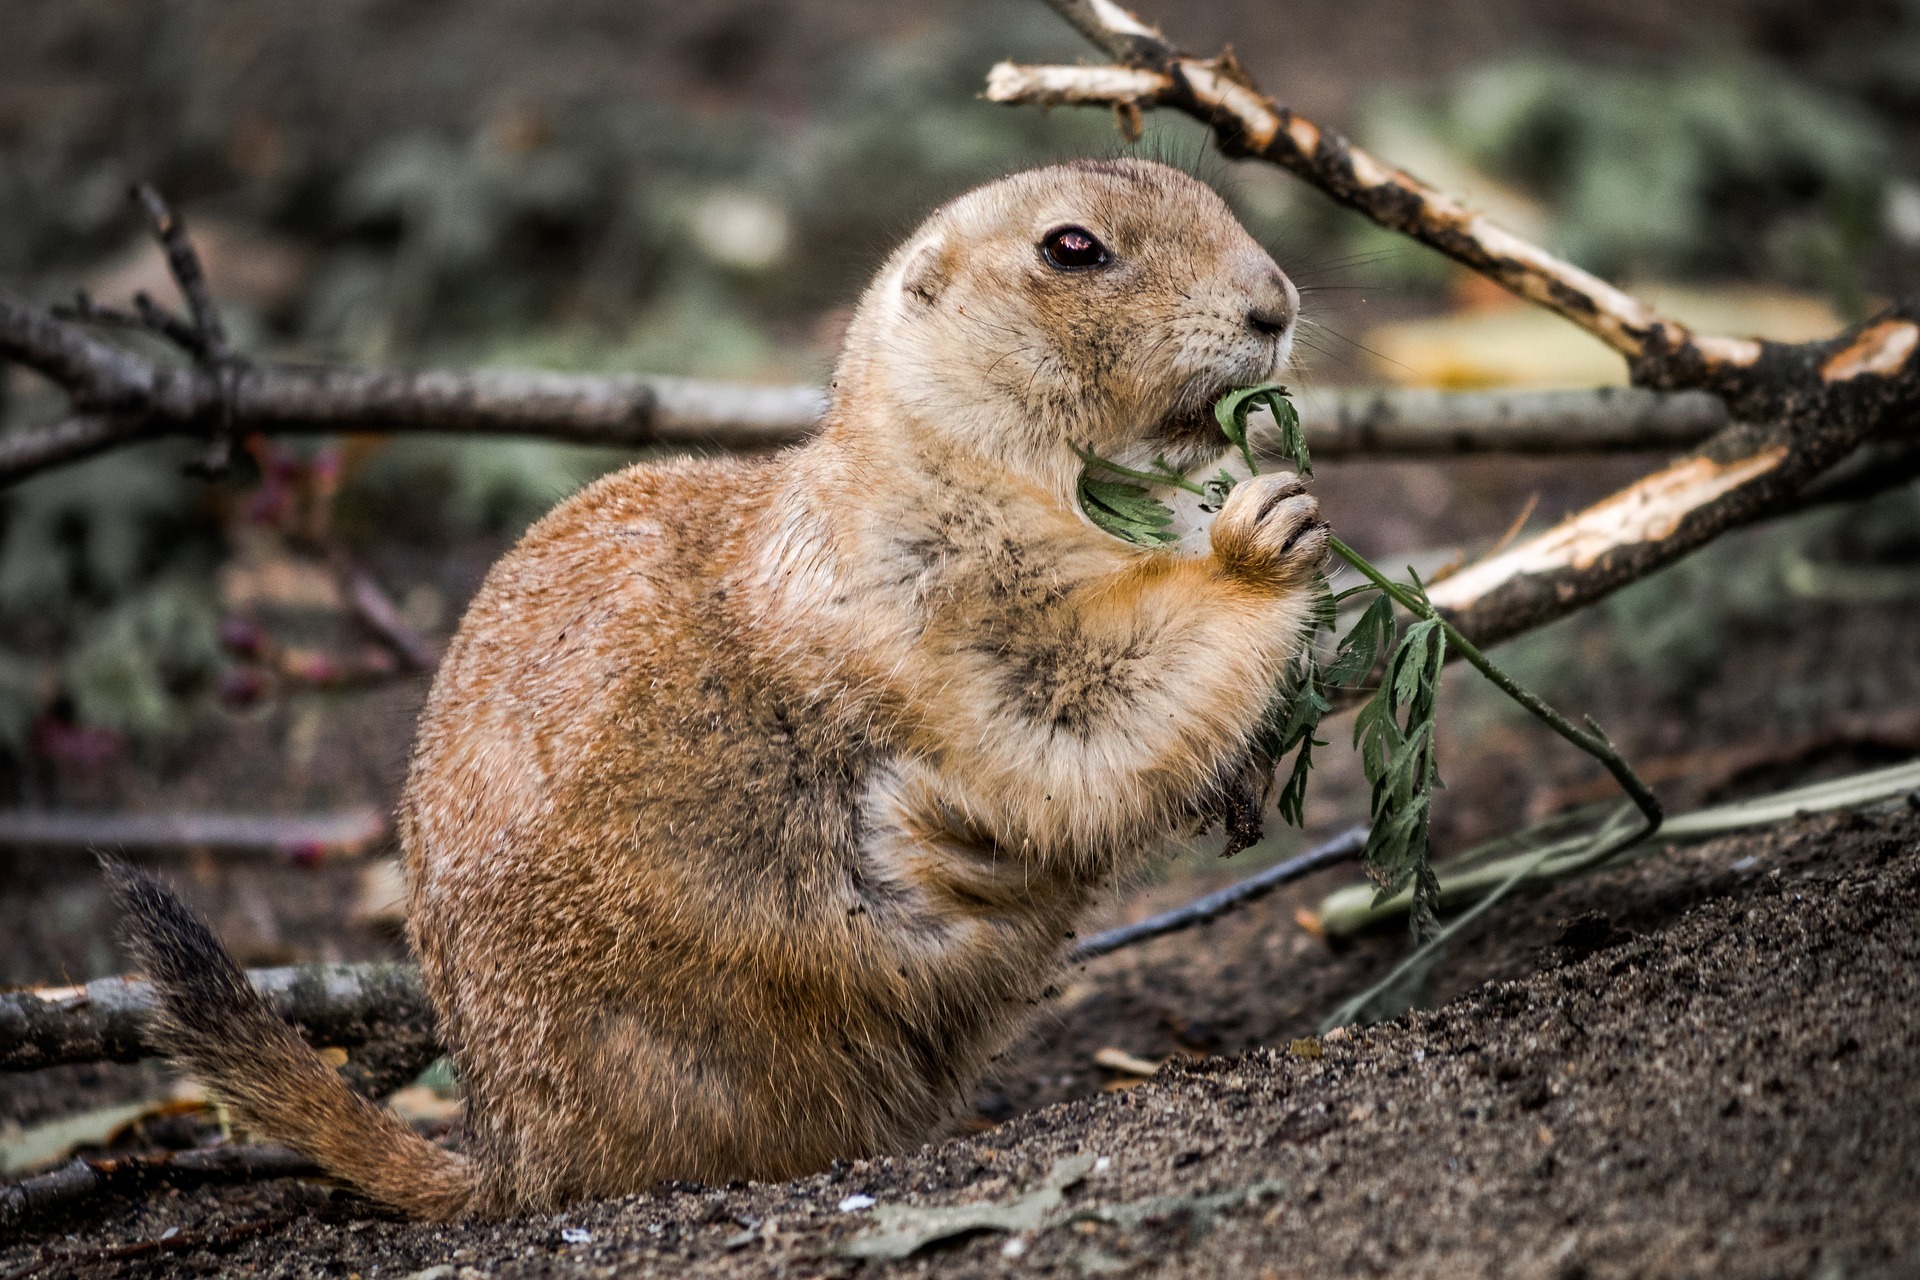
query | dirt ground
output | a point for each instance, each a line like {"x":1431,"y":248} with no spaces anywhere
{"x":1701,"y":1063}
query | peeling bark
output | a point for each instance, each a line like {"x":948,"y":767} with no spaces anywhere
{"x":1794,"y":411}
{"x":378,"y":1008}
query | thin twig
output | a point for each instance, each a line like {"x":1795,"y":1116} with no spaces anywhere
{"x":210,"y":335}
{"x":376,"y":610}
{"x":348,"y":832}
{"x":1592,"y":740}
{"x":1342,"y":848}
{"x":145,"y":318}
{"x":88,"y":1178}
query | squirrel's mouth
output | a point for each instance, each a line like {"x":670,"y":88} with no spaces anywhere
{"x":1191,"y":430}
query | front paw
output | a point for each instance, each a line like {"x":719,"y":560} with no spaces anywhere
{"x":1270,"y":530}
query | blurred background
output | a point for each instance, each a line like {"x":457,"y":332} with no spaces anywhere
{"x":703,"y":188}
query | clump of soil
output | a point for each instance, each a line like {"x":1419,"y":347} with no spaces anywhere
{"x":1701,"y":1063}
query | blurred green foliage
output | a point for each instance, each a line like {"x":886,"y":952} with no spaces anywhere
{"x":591,"y":229}
{"x":1716,"y":167}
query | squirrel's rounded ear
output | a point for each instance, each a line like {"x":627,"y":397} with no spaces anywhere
{"x":927,"y":272}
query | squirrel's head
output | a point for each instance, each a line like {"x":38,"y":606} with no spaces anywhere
{"x":1100,"y":304}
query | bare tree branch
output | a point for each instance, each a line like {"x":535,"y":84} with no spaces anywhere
{"x":120,"y":397}
{"x":376,"y":610}
{"x":209,"y":341}
{"x":1794,"y":411}
{"x":1798,"y":412}
{"x":1343,"y":848}
{"x":135,"y":400}
{"x":301,"y":838}
{"x":1396,"y":423}
{"x":87,"y":1178}
{"x":1218,"y":92}
{"x":345,"y":1005}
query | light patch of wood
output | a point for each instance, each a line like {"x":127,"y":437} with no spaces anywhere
{"x":1648,"y":511}
{"x":1052,"y":86}
{"x":1115,"y":1059}
{"x":1373,"y":173}
{"x":1305,"y":135}
{"x":1740,"y":352}
{"x":1255,"y":114}
{"x":1115,"y":18}
{"x":1878,"y":351}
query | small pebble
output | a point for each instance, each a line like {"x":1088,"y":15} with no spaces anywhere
{"x":576,"y":1235}
{"x":853,"y":1204}
{"x":1013,"y":1248}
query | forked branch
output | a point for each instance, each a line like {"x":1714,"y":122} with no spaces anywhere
{"x":1794,"y":410}
{"x":1217,"y":91}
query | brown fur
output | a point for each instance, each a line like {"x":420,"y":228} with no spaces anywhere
{"x":755,"y":799}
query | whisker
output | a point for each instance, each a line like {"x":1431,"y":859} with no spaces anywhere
{"x":1312,"y":266}
{"x":1352,"y":342}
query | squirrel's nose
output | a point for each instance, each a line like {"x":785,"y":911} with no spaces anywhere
{"x":1265,"y":319}
{"x":1274,"y":308}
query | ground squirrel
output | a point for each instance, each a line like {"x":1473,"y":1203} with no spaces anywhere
{"x":756,"y":798}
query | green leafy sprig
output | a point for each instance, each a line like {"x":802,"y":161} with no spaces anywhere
{"x":1395,"y":730}
{"x":1231,"y":413}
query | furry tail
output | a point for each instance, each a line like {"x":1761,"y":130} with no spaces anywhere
{"x":217,"y":1027}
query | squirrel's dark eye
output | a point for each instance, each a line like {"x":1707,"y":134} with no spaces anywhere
{"x":1073,"y":249}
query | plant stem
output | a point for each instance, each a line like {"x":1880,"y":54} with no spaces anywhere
{"x":1595,"y":743}
{"x":1093,"y":459}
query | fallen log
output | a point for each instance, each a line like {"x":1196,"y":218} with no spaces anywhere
{"x":85,"y":1178}
{"x":119,"y":397}
{"x":378,"y":1012}
{"x":298,"y":838}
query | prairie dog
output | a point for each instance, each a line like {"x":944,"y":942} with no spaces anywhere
{"x":755,"y":800}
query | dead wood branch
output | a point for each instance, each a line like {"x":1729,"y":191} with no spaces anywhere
{"x":1344,"y":847}
{"x":1218,"y":92}
{"x":1396,"y":423}
{"x":334,"y":1005}
{"x":300,"y":839}
{"x":628,"y":410}
{"x":377,"y":612}
{"x":1794,"y":410}
{"x":85,"y":1179}
{"x":119,"y":397}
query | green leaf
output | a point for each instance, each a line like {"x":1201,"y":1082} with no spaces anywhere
{"x":1361,"y":647}
{"x":1293,"y":440}
{"x":1398,"y":756}
{"x":1214,"y":492}
{"x":1126,"y":511}
{"x":1293,"y":796}
{"x":1410,"y":660}
{"x":1231,"y":411}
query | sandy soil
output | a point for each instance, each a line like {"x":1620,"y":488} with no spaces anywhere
{"x":1702,"y":1063}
